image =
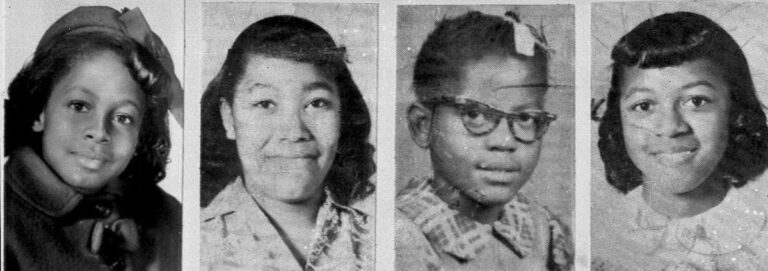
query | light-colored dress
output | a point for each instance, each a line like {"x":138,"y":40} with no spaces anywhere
{"x":730,"y":236}
{"x":432,"y":236}
{"x":237,"y":235}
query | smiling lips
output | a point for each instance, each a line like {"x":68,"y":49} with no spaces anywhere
{"x":91,"y":161}
{"x":674,"y":155}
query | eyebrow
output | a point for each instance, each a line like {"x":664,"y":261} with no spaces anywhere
{"x":690,"y":85}
{"x":120,"y":103}
{"x":319,"y":85}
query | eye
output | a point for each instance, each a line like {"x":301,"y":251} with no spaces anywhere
{"x":320,"y":103}
{"x":79,"y":106}
{"x":124,"y":119}
{"x":474,"y":117}
{"x":474,"y":114}
{"x":697,"y":101}
{"x":642,"y":106}
{"x":265,"y":104}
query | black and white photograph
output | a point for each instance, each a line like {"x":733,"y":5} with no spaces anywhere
{"x":93,"y":115}
{"x":484,"y":154}
{"x":679,"y":138}
{"x":287,"y":157}
{"x":603,"y":135}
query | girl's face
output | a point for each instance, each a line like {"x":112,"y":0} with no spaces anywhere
{"x":285,"y":118}
{"x":675,"y":123}
{"x":489,"y":168}
{"x":91,"y":122}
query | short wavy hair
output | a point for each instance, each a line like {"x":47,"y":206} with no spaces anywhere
{"x":300,"y":40}
{"x":456,"y":42}
{"x":671,"y":40}
{"x":30,"y":90}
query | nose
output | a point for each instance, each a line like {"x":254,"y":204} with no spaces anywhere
{"x":502,"y":138}
{"x":670,"y":122}
{"x":293,"y":127}
{"x":98,"y":129}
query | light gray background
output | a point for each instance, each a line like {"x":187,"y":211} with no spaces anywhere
{"x":552,"y":182}
{"x":351,"y":25}
{"x":745,"y":22}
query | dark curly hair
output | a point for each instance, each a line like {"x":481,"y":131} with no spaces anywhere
{"x":28,"y":95}
{"x":303,"y":41}
{"x":456,"y":42}
{"x":670,"y":40}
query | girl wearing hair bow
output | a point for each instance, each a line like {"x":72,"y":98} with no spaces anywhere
{"x":87,"y":142}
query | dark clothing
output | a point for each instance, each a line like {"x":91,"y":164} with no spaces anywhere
{"x":51,"y":226}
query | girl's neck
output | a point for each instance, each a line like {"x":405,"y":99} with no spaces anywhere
{"x":706,"y":196}
{"x":294,"y":222}
{"x":289,"y":215}
{"x":464,"y":204}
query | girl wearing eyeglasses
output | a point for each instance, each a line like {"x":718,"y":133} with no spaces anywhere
{"x":480,"y":88}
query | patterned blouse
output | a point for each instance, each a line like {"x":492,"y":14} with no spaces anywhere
{"x":432,"y":236}
{"x":237,"y":235}
{"x":730,"y":236}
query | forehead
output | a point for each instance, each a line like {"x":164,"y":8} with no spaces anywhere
{"x":505,"y":81}
{"x":671,"y":79}
{"x":280,"y":74}
{"x":102,"y":74}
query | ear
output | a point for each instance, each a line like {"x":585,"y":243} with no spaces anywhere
{"x":227,"y":120}
{"x":39,"y":124}
{"x":420,"y":123}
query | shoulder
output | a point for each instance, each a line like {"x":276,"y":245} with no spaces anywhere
{"x":413,"y":250}
{"x":228,"y":200}
{"x":554,"y":236}
{"x":224,"y":206}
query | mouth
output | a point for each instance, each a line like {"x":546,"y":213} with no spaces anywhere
{"x":675,"y":156}
{"x":91,"y":161}
{"x":502,"y":173}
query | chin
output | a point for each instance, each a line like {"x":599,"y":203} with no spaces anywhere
{"x":678,"y":183}
{"x":494,"y":197}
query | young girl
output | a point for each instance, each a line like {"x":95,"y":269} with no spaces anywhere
{"x":480,"y":81}
{"x":285,"y":152}
{"x":682,"y":134}
{"x":87,"y":141}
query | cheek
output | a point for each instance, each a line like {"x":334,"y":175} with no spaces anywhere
{"x":126,"y":141}
{"x":453,"y":148}
{"x":712,"y":131}
{"x":326,"y":128}
{"x":252,"y":131}
{"x":529,"y":155}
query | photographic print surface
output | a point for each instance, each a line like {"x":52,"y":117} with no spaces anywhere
{"x":423,"y":214}
{"x":678,"y":136}
{"x":93,"y":163}
{"x":287,"y":127}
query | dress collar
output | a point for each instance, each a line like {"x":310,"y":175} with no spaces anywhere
{"x":243,"y":220}
{"x":459,"y":235}
{"x":730,"y":226}
{"x":34,"y":181}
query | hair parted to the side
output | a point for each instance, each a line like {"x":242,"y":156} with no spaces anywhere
{"x":29,"y":91}
{"x":300,"y":40}
{"x":457,"y":42}
{"x":671,"y":40}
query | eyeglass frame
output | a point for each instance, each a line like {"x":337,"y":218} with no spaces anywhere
{"x":460,"y":103}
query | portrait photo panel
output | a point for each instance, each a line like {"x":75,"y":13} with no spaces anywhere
{"x":462,"y":71}
{"x":288,"y":133}
{"x":679,"y":136}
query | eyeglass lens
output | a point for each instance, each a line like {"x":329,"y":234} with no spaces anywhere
{"x":526,"y":127}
